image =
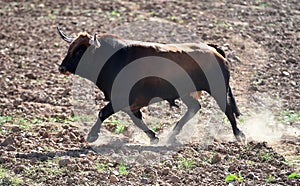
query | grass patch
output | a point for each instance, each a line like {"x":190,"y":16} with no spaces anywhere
{"x":294,"y":175}
{"x":270,"y":178}
{"x":119,"y":129}
{"x":185,"y":163}
{"x":290,"y":116}
{"x":266,"y":156}
{"x":222,"y":24}
{"x":123,"y":169}
{"x":234,"y":177}
{"x":263,"y":5}
{"x":7,"y":179}
{"x":5,"y":119}
{"x":100,"y":167}
{"x":115,"y":13}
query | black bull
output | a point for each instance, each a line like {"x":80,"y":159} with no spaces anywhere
{"x":132,"y":74}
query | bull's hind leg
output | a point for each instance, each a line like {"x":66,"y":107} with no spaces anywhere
{"x":239,"y":135}
{"x":229,"y":112}
{"x":136,"y":117}
{"x":103,"y":114}
{"x":193,"y":107}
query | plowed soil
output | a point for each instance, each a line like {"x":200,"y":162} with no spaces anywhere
{"x":43,"y":121}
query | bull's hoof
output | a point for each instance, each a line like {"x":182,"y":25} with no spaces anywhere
{"x":154,"y":141}
{"x":92,"y":137}
{"x":240,"y":137}
{"x":173,"y":141}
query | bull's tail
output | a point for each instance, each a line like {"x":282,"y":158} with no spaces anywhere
{"x":233,"y":103}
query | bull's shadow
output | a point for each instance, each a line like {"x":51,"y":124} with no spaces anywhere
{"x":114,"y":146}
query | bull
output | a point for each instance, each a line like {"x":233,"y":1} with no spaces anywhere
{"x":101,"y":58}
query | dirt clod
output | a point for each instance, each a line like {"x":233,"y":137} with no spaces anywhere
{"x":9,"y":141}
{"x":114,"y":179}
{"x":216,"y":158}
{"x":165,"y":171}
{"x":63,"y":162}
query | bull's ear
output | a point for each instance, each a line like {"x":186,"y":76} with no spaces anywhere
{"x":94,"y":41}
{"x":218,"y":49}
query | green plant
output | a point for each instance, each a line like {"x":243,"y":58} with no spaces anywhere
{"x":115,"y":13}
{"x":184,"y":162}
{"x":119,"y":129}
{"x":4,"y":119}
{"x":3,"y":173}
{"x":99,"y":166}
{"x":123,"y":169}
{"x":242,"y":121}
{"x":158,"y":126}
{"x":37,"y":120}
{"x":233,"y":177}
{"x":188,"y":163}
{"x":263,"y":5}
{"x":294,"y":175}
{"x":15,"y":180}
{"x":266,"y":156}
{"x":290,"y":116}
{"x":270,"y":178}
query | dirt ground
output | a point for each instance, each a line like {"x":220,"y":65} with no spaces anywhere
{"x":43,"y":130}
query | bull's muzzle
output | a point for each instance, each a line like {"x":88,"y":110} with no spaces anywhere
{"x":62,"y":69}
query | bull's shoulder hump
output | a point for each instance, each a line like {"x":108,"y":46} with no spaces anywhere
{"x":112,"y":40}
{"x":174,"y":47}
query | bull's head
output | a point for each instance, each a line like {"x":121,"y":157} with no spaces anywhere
{"x":78,"y":45}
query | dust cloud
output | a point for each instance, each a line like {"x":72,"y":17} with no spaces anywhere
{"x":265,"y":126}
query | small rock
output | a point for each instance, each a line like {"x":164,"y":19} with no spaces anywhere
{"x":70,"y":181}
{"x":15,"y":128}
{"x":174,"y":179}
{"x":165,"y":171}
{"x":72,"y":136}
{"x":85,"y":161}
{"x":293,"y":83}
{"x":116,"y":173}
{"x":10,"y":148}
{"x":216,"y":158}
{"x":44,"y":134}
{"x":64,"y":162}
{"x":231,"y":168}
{"x":148,"y":170}
{"x":291,"y":60}
{"x":113,"y":179}
{"x":8,"y":141}
{"x":169,"y":164}
{"x":144,"y":180}
{"x":4,"y":160}
{"x":253,"y":88}
{"x":250,"y":175}
{"x":285,"y":73}
{"x":18,"y":169}
{"x":73,"y":167}
{"x":30,"y":76}
{"x":149,"y":155}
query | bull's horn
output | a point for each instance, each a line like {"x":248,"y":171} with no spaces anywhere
{"x":64,"y":37}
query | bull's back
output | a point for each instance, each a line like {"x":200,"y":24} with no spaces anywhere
{"x":177,"y":67}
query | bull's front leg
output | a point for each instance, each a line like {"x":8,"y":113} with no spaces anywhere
{"x":103,"y":114}
{"x":136,"y":117}
{"x":193,"y":107}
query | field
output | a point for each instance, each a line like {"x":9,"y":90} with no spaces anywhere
{"x":45,"y":115}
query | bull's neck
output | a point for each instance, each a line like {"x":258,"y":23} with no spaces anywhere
{"x":94,"y":59}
